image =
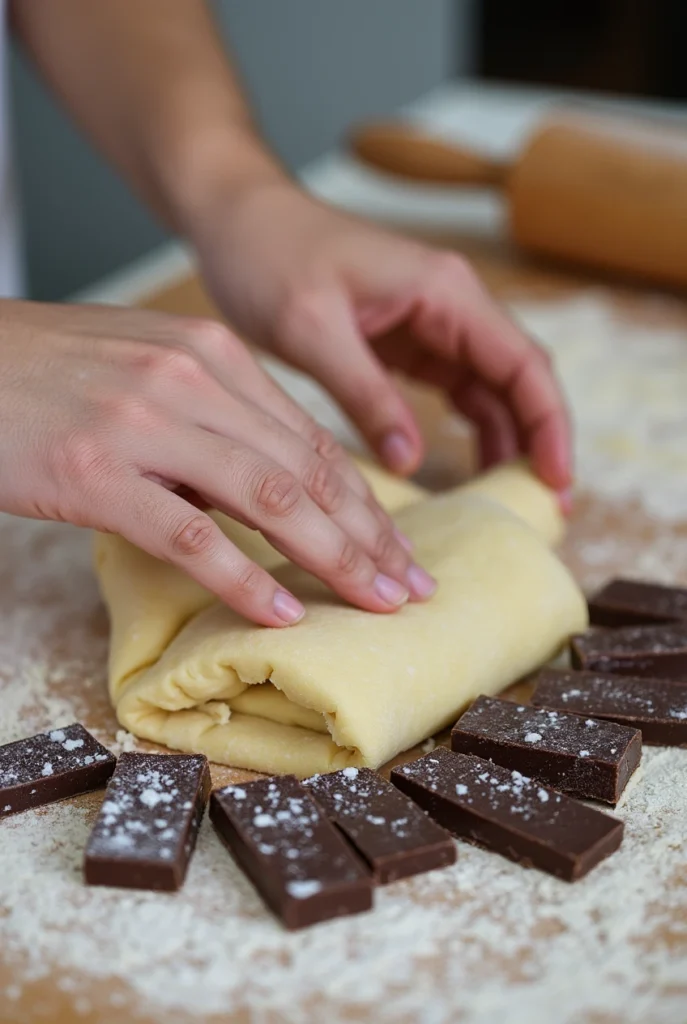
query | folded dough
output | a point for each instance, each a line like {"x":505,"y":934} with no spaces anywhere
{"x":344,"y":687}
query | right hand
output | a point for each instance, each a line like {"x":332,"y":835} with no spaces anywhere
{"x":132,"y":422}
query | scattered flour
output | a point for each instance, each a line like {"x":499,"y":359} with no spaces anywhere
{"x":626,"y":384}
{"x":481,"y":941}
{"x":303,"y":890}
{"x":125,"y":742}
{"x":601,"y":946}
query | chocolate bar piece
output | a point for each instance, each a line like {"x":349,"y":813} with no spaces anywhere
{"x":148,"y":823}
{"x":300,"y":864}
{"x":657,"y":707}
{"x":51,"y":766}
{"x":653,"y":651}
{"x":580,"y":756}
{"x":394,"y":837}
{"x":509,"y":813}
{"x":635,"y":603}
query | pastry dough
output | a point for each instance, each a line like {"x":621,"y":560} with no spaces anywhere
{"x":344,"y":687}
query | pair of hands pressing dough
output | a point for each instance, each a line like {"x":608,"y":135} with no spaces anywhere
{"x":135,"y":422}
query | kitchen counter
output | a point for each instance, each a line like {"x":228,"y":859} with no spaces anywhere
{"x":486,"y":940}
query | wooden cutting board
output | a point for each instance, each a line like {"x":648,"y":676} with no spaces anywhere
{"x":485,"y":941}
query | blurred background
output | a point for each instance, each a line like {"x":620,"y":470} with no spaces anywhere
{"x":312,"y":68}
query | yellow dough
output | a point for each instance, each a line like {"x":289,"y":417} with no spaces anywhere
{"x":344,"y":687}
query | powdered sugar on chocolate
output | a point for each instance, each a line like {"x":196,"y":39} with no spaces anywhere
{"x":540,"y":728}
{"x":147,"y":807}
{"x":284,"y":825}
{"x":485,"y":938}
{"x":46,"y":754}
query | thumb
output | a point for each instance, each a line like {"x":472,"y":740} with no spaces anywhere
{"x":333,"y":350}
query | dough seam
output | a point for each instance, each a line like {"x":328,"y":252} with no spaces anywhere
{"x":344,"y":687}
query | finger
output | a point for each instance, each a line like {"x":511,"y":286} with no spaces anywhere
{"x":324,"y":445}
{"x":245,"y":484}
{"x":232,"y":364}
{"x":233,"y":417}
{"x":167,"y":527}
{"x":459,"y":320}
{"x":341,"y":359}
{"x":498,"y":438}
{"x":183,"y":380}
{"x":271,"y":398}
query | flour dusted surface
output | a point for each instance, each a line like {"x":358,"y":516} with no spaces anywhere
{"x":482,"y":941}
{"x":625,"y":381}
{"x":604,"y":945}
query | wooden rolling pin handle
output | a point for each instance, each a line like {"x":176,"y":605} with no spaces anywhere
{"x":407,"y":152}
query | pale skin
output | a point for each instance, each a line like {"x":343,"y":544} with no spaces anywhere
{"x":136,"y":422}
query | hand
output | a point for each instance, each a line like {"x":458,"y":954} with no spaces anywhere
{"x":133,"y":423}
{"x":344,"y":301}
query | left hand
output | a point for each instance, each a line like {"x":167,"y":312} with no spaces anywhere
{"x":345,"y":301}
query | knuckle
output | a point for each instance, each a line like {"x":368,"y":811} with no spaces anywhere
{"x":349,"y":559}
{"x":193,"y":536}
{"x":248,"y":581}
{"x":326,"y":487}
{"x":210,"y":335}
{"x":324,"y":443}
{"x":303,"y":313}
{"x":84,"y":459}
{"x":385,"y":547}
{"x":276,"y":494}
{"x":132,"y":413}
{"x":86,"y":478}
{"x":177,"y":366}
{"x":454,"y":268}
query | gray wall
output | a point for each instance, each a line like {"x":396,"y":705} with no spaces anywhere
{"x":311,"y":67}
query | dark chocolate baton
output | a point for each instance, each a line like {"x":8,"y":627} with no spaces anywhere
{"x":653,"y":651}
{"x":624,"y":602}
{"x":510,"y":813}
{"x":300,"y":864}
{"x":51,"y":766}
{"x":390,"y":832}
{"x":148,"y":824}
{"x":657,"y":707}
{"x":581,"y":756}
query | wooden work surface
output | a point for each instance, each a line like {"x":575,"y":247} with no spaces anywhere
{"x":55,"y":628}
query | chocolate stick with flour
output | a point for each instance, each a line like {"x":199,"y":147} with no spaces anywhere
{"x":148,"y":824}
{"x":509,"y":813}
{"x":581,"y":756}
{"x":300,"y":864}
{"x":51,"y":766}
{"x":391,"y":833}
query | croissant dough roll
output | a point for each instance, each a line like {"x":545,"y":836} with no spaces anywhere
{"x":344,"y":687}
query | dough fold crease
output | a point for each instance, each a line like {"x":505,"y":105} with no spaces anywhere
{"x":344,"y":687}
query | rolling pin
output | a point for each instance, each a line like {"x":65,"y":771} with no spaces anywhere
{"x":605,"y":193}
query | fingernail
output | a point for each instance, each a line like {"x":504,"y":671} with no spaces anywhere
{"x":287,"y":607}
{"x":565,"y":500}
{"x":421,"y":584}
{"x":390,"y":590}
{"x":397,"y":451}
{"x":404,"y":541}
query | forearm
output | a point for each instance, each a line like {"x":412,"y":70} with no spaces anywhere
{"x":150,"y":84}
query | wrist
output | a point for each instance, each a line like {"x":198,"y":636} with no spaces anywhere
{"x":214,"y":171}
